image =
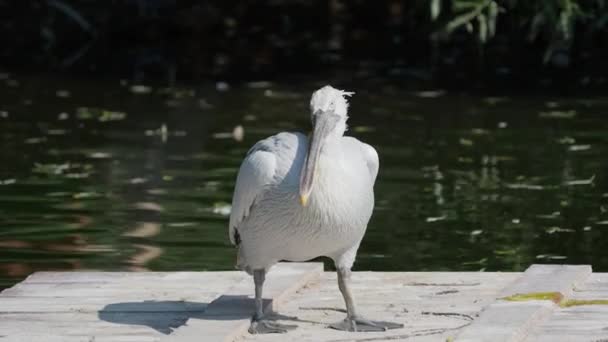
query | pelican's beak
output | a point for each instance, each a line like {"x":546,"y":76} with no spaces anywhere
{"x":324,"y":124}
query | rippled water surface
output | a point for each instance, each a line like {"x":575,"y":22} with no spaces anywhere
{"x":110,"y":176}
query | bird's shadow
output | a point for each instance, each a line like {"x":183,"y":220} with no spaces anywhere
{"x":166,"y":316}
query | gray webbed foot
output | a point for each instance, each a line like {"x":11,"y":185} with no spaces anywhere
{"x":356,"y":324}
{"x":269,"y":327}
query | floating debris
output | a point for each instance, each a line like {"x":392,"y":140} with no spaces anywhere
{"x":8,"y":181}
{"x":85,"y":195}
{"x":138,"y":180}
{"x":222,"y":86}
{"x":566,"y":140}
{"x":587,"y":228}
{"x":100,"y":155}
{"x":465,"y":142}
{"x":157,"y":191}
{"x":259,"y":84}
{"x":107,"y":115}
{"x":63,"y":116}
{"x":555,"y":229}
{"x":580,"y":182}
{"x":57,"y":131}
{"x":476,"y":232}
{"x":182,"y":224}
{"x":238,"y":133}
{"x":429,"y":94}
{"x":222,"y":208}
{"x":151,"y":206}
{"x":140,"y":89}
{"x":553,"y":215}
{"x":551,"y":257}
{"x":51,"y":169}
{"x":144,"y":229}
{"x":515,"y":221}
{"x":576,"y":148}
{"x":436,"y":218}
{"x":528,"y":186}
{"x":502,"y":124}
{"x":3,"y":114}
{"x":62,"y":93}
{"x":557,"y":114}
{"x":12,"y":83}
{"x":35,"y":140}
{"x":204,"y":104}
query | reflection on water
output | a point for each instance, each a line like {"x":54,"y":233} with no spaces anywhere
{"x":108,"y":176}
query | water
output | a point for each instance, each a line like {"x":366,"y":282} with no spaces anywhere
{"x":107,"y":176}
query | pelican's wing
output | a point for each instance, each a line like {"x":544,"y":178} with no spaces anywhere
{"x":371,"y":158}
{"x":256,"y":172}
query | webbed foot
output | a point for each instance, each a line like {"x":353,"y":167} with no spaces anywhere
{"x":269,"y":327}
{"x":356,"y":324}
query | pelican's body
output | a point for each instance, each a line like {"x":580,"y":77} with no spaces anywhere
{"x":298,"y":198}
{"x":333,"y":223}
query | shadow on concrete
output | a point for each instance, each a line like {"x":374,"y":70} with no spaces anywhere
{"x":166,"y":316}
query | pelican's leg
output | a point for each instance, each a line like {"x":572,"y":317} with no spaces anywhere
{"x":259,"y":324}
{"x":353,"y":321}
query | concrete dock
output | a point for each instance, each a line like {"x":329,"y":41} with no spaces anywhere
{"x":544,"y":303}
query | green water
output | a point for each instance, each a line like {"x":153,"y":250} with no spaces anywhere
{"x":103,"y":176}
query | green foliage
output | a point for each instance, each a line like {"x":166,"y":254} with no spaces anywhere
{"x":551,"y":22}
{"x":476,"y":16}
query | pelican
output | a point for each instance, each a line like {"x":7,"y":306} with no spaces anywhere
{"x":298,"y":198}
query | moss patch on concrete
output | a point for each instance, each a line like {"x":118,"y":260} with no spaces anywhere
{"x":555,"y":297}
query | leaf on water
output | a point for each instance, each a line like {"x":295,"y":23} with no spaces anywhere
{"x":577,"y":182}
{"x":576,"y":148}
{"x":108,"y":115}
{"x":551,"y":257}
{"x":527,"y":186}
{"x":85,"y":195}
{"x":57,"y":131}
{"x":137,"y":180}
{"x":259,"y":84}
{"x":238,"y":133}
{"x":553,"y":215}
{"x":151,"y":206}
{"x":435,"y":9}
{"x":157,"y":191}
{"x":566,"y":140}
{"x":558,"y":114}
{"x":555,"y":229}
{"x":436,"y":218}
{"x":99,"y":155}
{"x":75,"y":175}
{"x":465,"y":142}
{"x":140,"y":89}
{"x":62,"y":93}
{"x":35,"y":140}
{"x":51,"y":169}
{"x":429,"y":94}
{"x":182,"y":224}
{"x":222,"y":208}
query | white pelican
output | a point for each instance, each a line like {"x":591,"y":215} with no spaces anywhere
{"x":297,"y":199}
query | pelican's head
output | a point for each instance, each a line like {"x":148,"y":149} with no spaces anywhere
{"x":328,"y":108}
